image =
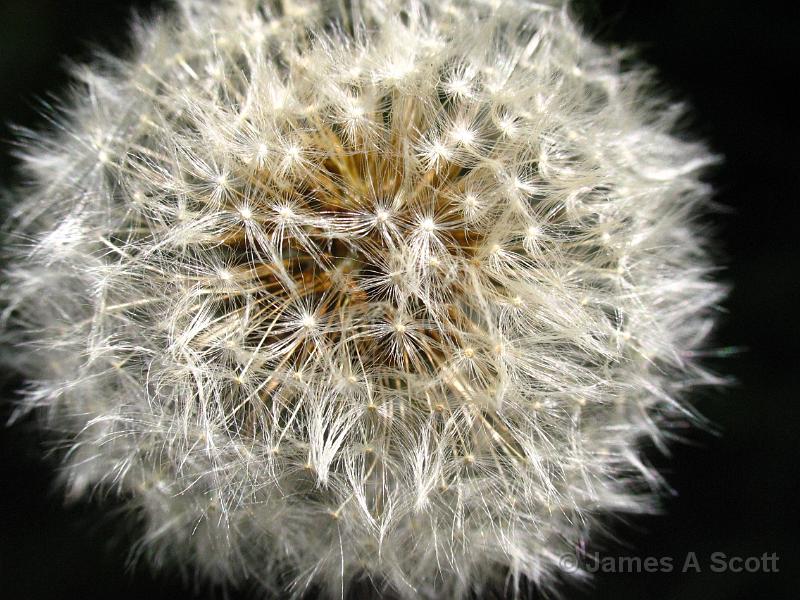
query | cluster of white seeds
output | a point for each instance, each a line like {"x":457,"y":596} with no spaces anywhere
{"x":384,"y":290}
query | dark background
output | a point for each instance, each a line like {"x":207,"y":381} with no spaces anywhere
{"x":735,"y":63}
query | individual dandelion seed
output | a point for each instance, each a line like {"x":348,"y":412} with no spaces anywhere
{"x":387,"y":290}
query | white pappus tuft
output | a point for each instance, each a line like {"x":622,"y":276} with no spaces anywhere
{"x":385,"y":290}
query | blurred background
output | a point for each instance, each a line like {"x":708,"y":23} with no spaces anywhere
{"x":735,"y":490}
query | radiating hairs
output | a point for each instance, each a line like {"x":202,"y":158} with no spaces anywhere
{"x":386,"y":290}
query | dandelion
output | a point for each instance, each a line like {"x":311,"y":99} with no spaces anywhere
{"x":387,"y":290}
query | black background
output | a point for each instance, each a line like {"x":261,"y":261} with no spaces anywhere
{"x":736,"y":64}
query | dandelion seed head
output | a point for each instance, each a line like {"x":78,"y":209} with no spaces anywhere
{"x":390,"y":292}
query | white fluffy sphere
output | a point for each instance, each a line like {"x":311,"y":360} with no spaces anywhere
{"x":389,"y":289}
